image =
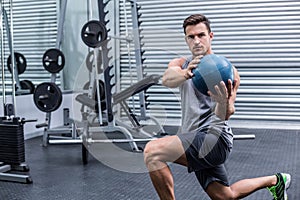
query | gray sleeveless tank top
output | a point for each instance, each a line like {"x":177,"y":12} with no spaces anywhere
{"x":197,"y":109}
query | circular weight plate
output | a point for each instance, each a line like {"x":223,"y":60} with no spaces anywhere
{"x":93,"y":33}
{"x":27,"y":85}
{"x":89,"y":61}
{"x":102,"y":94}
{"x":21,"y":63}
{"x":47,"y":97}
{"x":53,"y":60}
{"x":102,"y":89}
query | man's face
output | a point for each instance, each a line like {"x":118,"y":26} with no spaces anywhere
{"x":198,"y":39}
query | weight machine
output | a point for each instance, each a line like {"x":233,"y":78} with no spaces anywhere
{"x":95,"y":35}
{"x":18,"y":60}
{"x":48,"y":96}
{"x":12,"y":151}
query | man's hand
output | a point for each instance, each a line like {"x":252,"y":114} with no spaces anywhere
{"x":224,"y":97}
{"x":192,"y":65}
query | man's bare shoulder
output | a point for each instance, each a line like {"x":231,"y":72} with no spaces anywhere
{"x":177,"y":62}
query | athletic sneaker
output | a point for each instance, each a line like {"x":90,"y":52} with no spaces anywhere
{"x":279,"y":190}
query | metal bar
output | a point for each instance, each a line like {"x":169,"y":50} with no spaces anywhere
{"x":6,"y":175}
{"x":59,"y":131}
{"x":236,"y":137}
{"x":95,"y":65}
{"x":15,"y":178}
{"x":66,"y":141}
{"x":106,"y":67}
{"x":138,"y":55}
{"x":5,"y":168}
{"x":14,"y":71}
{"x":120,"y":140}
{"x":2,"y":57}
{"x":127,"y":39}
{"x":61,"y":24}
{"x":244,"y":137}
{"x":110,"y":129}
{"x":57,"y":45}
{"x":129,"y":114}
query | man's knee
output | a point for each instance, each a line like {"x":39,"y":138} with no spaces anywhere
{"x":153,"y":157}
{"x":159,"y":152}
{"x":218,"y":191}
{"x":150,"y":152}
{"x":222,"y":196}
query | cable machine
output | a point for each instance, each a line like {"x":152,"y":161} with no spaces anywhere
{"x":48,"y":96}
{"x":12,"y":150}
{"x":99,"y":99}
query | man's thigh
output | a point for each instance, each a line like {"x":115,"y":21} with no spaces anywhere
{"x":168,"y":149}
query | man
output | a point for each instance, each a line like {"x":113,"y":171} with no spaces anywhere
{"x":205,"y":139}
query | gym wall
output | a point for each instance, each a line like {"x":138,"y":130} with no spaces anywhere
{"x":73,"y":47}
{"x":77,"y":14}
{"x":260,"y":37}
{"x":34,"y":31}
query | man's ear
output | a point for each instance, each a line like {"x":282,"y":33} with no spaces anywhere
{"x":211,"y":35}
{"x":185,"y":39}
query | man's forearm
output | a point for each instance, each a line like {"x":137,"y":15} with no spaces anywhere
{"x":173,"y":77}
{"x":224,"y":111}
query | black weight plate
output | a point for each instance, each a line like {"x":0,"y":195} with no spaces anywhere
{"x":53,"y":60}
{"x":102,"y":90}
{"x":21,"y":63}
{"x":27,"y":85}
{"x":89,"y":61}
{"x":47,"y":97}
{"x":102,"y":94}
{"x":93,"y":33}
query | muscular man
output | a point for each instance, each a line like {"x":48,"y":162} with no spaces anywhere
{"x":205,"y":139}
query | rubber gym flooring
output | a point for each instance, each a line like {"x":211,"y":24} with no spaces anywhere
{"x":58,"y":173}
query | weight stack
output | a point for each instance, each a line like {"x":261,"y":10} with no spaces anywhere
{"x":12,"y":149}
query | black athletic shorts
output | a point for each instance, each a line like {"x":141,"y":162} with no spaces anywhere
{"x":206,"y":151}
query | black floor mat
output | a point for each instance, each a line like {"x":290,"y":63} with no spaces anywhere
{"x":58,"y":173}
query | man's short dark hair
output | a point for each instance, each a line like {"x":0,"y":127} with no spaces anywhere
{"x":196,"y":19}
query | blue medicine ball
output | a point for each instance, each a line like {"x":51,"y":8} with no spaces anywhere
{"x":211,"y":70}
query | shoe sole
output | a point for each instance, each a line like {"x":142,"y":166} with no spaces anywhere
{"x":287,"y":185}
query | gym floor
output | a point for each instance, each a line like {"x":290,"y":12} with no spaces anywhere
{"x":58,"y":173}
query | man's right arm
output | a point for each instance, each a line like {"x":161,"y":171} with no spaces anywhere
{"x":175,"y":75}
